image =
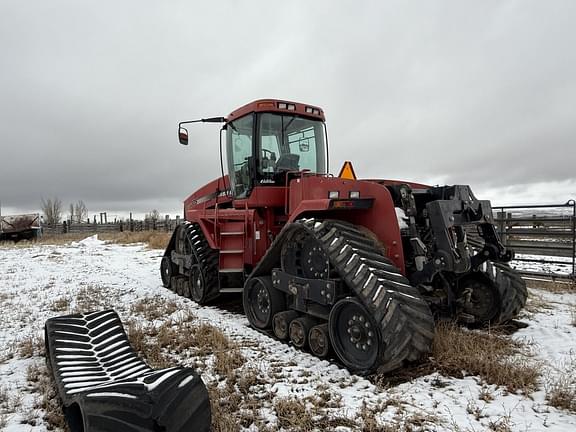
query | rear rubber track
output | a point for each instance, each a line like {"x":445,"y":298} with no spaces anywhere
{"x":403,"y":317}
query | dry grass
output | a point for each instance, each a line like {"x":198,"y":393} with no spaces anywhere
{"x":41,"y":383}
{"x":153,"y":308}
{"x":61,"y":304}
{"x":143,"y":343}
{"x":561,"y":388}
{"x":155,"y":239}
{"x":497,"y":359}
{"x":31,"y":346}
{"x":555,"y":286}
{"x":91,"y":298}
{"x":536,"y":304}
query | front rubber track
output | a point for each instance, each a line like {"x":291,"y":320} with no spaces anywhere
{"x":511,"y":288}
{"x":189,"y":239}
{"x":509,"y":284}
{"x":404,"y":319}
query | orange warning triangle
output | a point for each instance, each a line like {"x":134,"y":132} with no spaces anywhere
{"x":347,"y":172}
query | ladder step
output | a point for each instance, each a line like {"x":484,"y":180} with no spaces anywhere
{"x":229,"y":233}
{"x":232,"y":270}
{"x":231,"y":290}
{"x":233,"y":251}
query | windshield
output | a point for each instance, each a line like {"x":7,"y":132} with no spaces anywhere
{"x":283,"y":143}
{"x":289,"y":143}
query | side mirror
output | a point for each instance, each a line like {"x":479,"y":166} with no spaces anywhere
{"x":183,"y":135}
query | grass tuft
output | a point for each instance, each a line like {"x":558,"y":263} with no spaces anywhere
{"x":155,"y":239}
{"x":153,"y":308}
{"x":561,"y":387}
{"x":39,"y":379}
{"x":497,"y":359}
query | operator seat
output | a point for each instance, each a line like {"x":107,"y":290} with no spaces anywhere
{"x":288,"y":162}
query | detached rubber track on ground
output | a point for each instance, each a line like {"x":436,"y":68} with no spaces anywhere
{"x":105,"y":386}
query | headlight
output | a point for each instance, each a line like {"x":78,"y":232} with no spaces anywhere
{"x":354,"y":194}
{"x":334,"y":194}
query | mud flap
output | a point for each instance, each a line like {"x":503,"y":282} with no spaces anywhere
{"x":105,"y":386}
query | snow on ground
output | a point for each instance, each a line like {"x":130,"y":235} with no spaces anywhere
{"x":33,"y":279}
{"x":539,"y":265}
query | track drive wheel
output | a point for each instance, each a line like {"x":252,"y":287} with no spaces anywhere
{"x":303,"y":256}
{"x":262,"y":301}
{"x":354,"y":334}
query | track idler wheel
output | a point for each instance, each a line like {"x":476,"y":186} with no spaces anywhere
{"x":354,"y":335}
{"x":299,"y":329}
{"x":281,"y":323}
{"x":167,"y":270}
{"x":319,"y":340}
{"x":262,"y":301}
{"x":478,"y":301}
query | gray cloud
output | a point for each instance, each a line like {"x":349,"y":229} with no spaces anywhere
{"x":449,"y":91}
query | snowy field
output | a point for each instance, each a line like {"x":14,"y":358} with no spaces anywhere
{"x":41,"y":281}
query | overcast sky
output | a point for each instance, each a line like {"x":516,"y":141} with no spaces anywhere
{"x":466,"y":92}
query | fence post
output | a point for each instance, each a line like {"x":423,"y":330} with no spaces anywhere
{"x":501,"y":215}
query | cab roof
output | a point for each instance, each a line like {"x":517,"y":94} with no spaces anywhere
{"x":278,"y":106}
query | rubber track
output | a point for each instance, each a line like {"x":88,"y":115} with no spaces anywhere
{"x":509,"y":283}
{"x":511,"y":287}
{"x":99,"y":376}
{"x":205,"y":256}
{"x":405,"y":321}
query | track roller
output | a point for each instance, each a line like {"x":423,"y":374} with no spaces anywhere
{"x":319,"y":340}
{"x":181,"y":282}
{"x":281,"y":323}
{"x":299,"y":329}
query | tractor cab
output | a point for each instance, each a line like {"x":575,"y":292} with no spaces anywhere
{"x":268,"y":139}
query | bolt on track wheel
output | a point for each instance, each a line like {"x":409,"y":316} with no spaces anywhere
{"x":166,"y":271}
{"x":319,"y":340}
{"x":262,"y":301}
{"x":354,"y":335}
{"x":281,"y":323}
{"x":298,"y":331}
{"x":197,"y":284}
{"x":478,"y":298}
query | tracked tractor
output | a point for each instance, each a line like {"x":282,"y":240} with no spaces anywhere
{"x":356,"y":270}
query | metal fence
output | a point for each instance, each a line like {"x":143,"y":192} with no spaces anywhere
{"x":166,"y":224}
{"x":543,"y":237}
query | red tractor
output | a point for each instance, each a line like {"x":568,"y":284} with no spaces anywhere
{"x":358,"y":268}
